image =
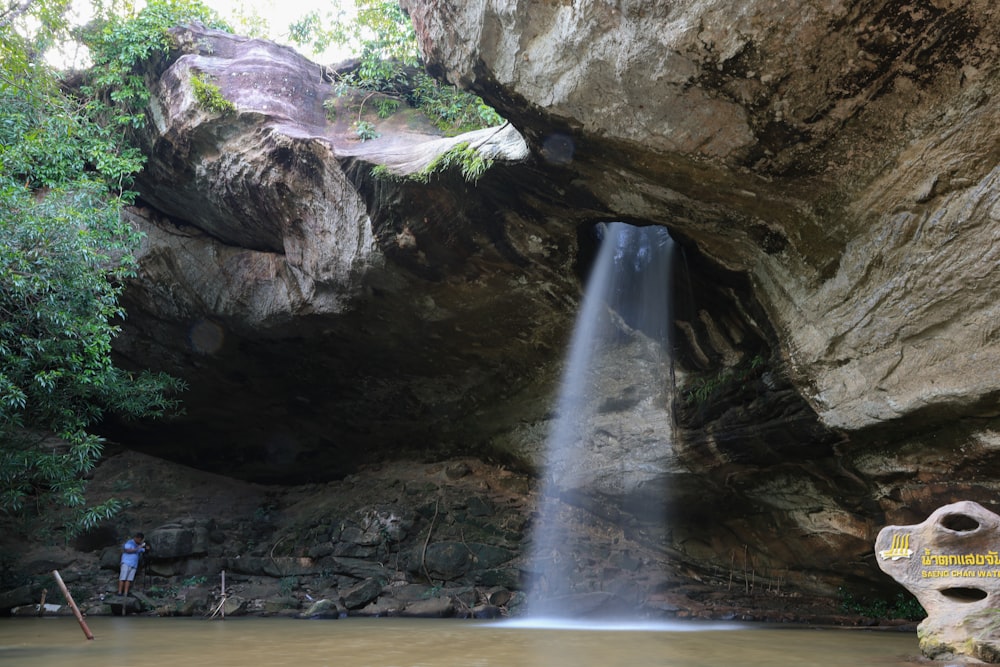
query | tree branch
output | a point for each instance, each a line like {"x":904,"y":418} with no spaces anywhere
{"x":13,"y":12}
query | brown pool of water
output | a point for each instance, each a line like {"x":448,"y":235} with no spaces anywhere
{"x":239,"y":642}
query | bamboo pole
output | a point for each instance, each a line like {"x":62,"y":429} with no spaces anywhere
{"x":72,"y":605}
{"x":221,"y":607}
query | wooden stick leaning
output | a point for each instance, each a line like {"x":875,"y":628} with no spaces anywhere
{"x":221,"y":607}
{"x":72,"y":605}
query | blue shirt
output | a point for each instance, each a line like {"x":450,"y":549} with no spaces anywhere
{"x":132,"y":560}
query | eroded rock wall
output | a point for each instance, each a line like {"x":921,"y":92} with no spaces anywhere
{"x":321,"y":316}
{"x":840,"y":153}
{"x":841,"y":156}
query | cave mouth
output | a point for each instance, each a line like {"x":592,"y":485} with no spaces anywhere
{"x":960,"y":523}
{"x":964,"y":594}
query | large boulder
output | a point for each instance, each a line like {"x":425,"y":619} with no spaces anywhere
{"x":321,"y":316}
{"x":177,"y":540}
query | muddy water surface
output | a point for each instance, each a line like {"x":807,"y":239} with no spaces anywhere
{"x":162,"y":642}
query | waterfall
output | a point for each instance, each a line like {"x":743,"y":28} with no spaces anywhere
{"x":618,"y":366}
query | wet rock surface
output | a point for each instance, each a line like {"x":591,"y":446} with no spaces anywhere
{"x":398,"y":540}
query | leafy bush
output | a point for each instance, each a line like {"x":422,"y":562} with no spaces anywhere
{"x":385,"y":106}
{"x":65,"y":253}
{"x":365,"y":130}
{"x":390,"y":63}
{"x":209,"y":97}
{"x":903,"y":605}
{"x":120,"y":45}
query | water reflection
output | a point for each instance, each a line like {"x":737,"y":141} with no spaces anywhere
{"x":155,"y":642}
{"x":603,"y":625}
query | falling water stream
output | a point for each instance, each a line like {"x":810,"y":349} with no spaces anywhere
{"x":626,"y":307}
{"x":626,"y":304}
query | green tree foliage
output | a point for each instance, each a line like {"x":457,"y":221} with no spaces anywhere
{"x":63,"y":256}
{"x":390,"y":63}
{"x":121,"y":43}
{"x":65,"y":251}
{"x":379,"y":31}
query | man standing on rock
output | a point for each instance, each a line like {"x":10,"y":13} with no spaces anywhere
{"x":132,"y":550}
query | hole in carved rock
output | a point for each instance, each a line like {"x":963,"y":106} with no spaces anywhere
{"x":964,"y":594}
{"x":959,"y":523}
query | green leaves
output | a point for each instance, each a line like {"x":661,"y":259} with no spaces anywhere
{"x":390,"y":63}
{"x":464,"y":157}
{"x":66,"y":164}
{"x":365,"y":130}
{"x":209,"y":96}
{"x":48,"y":141}
{"x":379,"y":31}
{"x":452,"y":109}
{"x":122,"y":43}
{"x":63,"y":257}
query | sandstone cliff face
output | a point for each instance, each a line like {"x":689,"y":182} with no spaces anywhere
{"x":840,"y":155}
{"x":828,"y":169}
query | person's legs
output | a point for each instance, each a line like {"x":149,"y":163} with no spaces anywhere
{"x":125,"y":578}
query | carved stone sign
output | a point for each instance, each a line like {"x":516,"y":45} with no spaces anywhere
{"x":951,"y":564}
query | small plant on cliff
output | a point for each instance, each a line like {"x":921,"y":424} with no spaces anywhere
{"x":390,"y":63}
{"x":382,"y":173}
{"x":365,"y":130}
{"x":703,"y":389}
{"x":386,"y":106}
{"x":462,"y":156}
{"x":209,"y":96}
{"x":330,"y":108}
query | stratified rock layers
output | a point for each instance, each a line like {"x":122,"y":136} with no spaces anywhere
{"x":843,"y":155}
